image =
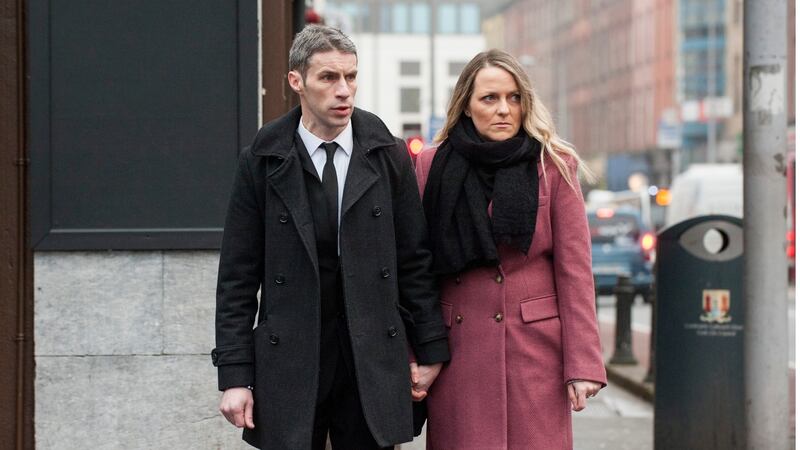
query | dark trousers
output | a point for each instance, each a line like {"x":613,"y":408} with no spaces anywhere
{"x":338,"y":403}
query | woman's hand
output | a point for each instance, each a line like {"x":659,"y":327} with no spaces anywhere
{"x":579,"y":391}
{"x":422,"y":378}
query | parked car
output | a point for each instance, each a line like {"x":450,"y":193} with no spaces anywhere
{"x":621,"y":245}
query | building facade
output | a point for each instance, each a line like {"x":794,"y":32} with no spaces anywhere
{"x":606,"y":70}
{"x":410,"y":55}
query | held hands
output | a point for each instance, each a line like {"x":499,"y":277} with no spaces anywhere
{"x":237,"y":406}
{"x":579,"y":391}
{"x":422,"y":378}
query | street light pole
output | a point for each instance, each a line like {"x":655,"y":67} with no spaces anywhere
{"x":765,"y":277}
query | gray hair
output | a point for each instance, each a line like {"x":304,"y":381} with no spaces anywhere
{"x":317,"y":38}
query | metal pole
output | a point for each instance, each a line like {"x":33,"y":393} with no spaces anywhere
{"x":711,"y":84}
{"x":623,"y":350}
{"x":765,"y":281}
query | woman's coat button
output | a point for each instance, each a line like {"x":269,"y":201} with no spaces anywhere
{"x":274,"y":339}
{"x":392,"y":331}
{"x":376,"y":211}
{"x":499,"y":278}
{"x":283,"y":218}
{"x":280,"y":279}
{"x":459,"y":318}
{"x":498,"y":317}
{"x":385,"y":272}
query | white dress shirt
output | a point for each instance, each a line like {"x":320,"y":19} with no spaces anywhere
{"x":341,"y":158}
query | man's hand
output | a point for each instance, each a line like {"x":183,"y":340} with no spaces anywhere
{"x":422,"y":378}
{"x":237,"y":406}
{"x":579,"y":391}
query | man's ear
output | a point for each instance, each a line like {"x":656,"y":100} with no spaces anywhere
{"x":295,"y":81}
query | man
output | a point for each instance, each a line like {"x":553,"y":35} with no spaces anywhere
{"x":325,"y":218}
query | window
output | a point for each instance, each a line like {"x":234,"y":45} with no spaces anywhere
{"x":400,"y":18}
{"x":454,"y":68}
{"x":470,"y":18}
{"x":420,"y":18}
{"x":409,"y":68}
{"x":447,"y":23}
{"x":409,"y":100}
{"x":411,"y":130}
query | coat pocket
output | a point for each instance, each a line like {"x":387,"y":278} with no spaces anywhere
{"x":447,"y":314}
{"x":539,"y":308}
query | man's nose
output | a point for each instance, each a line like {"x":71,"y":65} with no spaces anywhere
{"x":342,"y":89}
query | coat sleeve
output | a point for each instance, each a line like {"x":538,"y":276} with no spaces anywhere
{"x":418,"y":291}
{"x":572,"y":261}
{"x":240,"y":274}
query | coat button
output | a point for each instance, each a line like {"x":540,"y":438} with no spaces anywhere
{"x":274,"y":339}
{"x":280,"y":279}
{"x":498,"y":317}
{"x":376,"y":211}
{"x":384,"y":272}
{"x":458,"y":280}
{"x":214,"y":357}
{"x":459,"y":318}
{"x":392,"y":331}
{"x":499,"y":278}
{"x":283,"y":218}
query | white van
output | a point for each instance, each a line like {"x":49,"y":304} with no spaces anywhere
{"x":706,"y":189}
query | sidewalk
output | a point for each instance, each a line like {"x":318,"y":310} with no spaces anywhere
{"x":629,"y":377}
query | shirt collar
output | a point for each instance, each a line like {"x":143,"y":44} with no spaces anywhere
{"x":312,"y":142}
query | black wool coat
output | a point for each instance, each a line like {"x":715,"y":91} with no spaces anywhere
{"x":389,"y":293}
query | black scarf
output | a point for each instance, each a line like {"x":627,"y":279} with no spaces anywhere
{"x":467,"y":173}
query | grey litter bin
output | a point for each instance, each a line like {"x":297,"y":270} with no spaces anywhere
{"x":699,"y":383}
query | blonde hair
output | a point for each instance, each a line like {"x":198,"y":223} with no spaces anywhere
{"x":536,"y":121}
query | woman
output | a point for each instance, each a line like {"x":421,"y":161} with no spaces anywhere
{"x":512,"y":249}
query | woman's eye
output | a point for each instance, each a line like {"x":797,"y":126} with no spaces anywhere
{"x":516,"y":97}
{"x":488,"y":97}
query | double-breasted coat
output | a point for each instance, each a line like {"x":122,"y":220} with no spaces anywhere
{"x":269,"y":244}
{"x":519,"y":332}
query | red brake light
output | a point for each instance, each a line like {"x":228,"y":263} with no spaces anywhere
{"x":648,"y":242}
{"x":605,"y":213}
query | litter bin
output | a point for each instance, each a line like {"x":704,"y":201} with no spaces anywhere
{"x":699,"y":385}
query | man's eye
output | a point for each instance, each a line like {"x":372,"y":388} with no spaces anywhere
{"x":351,"y":77}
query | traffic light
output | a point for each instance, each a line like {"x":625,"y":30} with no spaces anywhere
{"x":663,"y":197}
{"x":415,"y":144}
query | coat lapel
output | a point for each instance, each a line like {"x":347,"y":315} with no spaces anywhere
{"x":288,"y":182}
{"x":360,"y":177}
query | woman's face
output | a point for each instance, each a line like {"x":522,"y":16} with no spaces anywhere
{"x":495,"y":105}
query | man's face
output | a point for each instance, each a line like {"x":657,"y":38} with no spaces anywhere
{"x":327,"y":93}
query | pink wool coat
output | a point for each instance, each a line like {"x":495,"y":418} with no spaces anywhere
{"x":518,"y":333}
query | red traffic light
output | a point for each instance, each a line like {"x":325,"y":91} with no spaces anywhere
{"x":415,"y":145}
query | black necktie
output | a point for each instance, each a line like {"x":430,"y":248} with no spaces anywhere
{"x":331,"y":187}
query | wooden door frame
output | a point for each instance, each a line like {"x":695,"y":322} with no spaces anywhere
{"x":16,"y":271}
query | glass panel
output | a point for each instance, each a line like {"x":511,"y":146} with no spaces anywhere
{"x":400,"y":18}
{"x":447,"y":23}
{"x":470,"y":19}
{"x":420,"y":18}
